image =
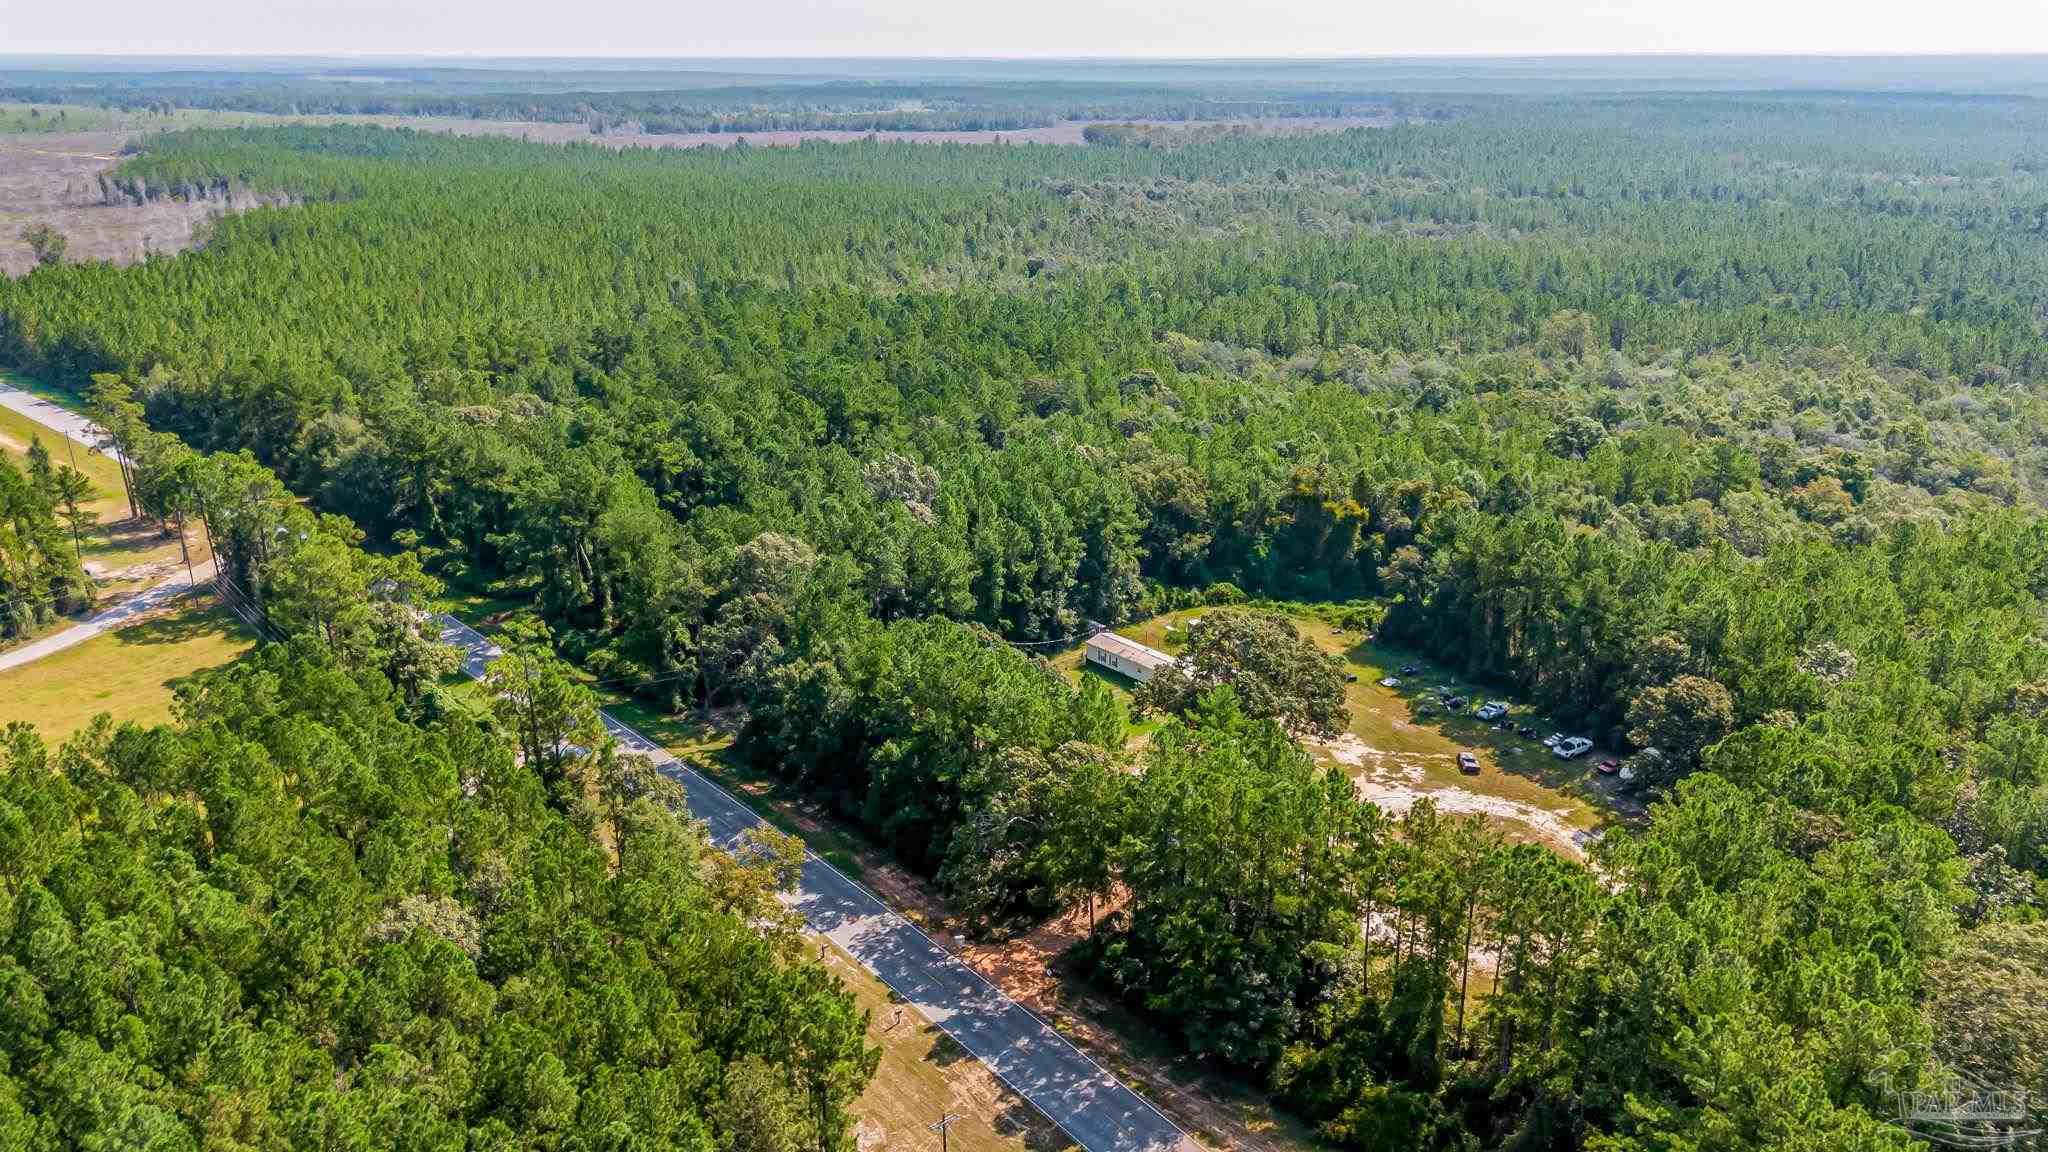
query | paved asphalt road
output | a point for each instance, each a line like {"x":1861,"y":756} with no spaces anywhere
{"x":115,"y":617}
{"x":52,"y":416}
{"x":1094,"y":1108}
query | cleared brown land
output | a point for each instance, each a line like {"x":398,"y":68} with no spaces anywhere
{"x":53,"y":178}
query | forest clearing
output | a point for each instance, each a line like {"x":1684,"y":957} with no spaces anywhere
{"x":1396,"y":757}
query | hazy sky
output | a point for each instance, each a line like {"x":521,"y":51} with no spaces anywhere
{"x":1019,"y":27}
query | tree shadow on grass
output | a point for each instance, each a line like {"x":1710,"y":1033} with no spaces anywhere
{"x":116,"y":541}
{"x":686,"y":730}
{"x":946,"y":1052}
{"x":190,"y":622}
{"x":1018,"y":1120}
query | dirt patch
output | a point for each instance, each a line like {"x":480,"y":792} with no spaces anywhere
{"x":1551,"y":827}
{"x":53,"y":179}
{"x":1396,"y":780}
{"x":1352,"y":752}
{"x":924,"y":1073}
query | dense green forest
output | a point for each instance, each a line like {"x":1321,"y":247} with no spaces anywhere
{"x":1716,"y":422}
{"x":298,"y":919}
{"x":331,"y":907}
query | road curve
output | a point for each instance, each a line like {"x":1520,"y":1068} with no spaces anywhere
{"x":1095,"y":1109}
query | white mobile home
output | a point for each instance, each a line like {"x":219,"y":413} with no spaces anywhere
{"x":1125,"y":656}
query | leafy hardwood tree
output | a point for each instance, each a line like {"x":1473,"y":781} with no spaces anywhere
{"x":1274,"y":671}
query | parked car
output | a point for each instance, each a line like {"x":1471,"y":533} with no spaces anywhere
{"x":1351,"y":677}
{"x":1571,"y":748}
{"x":1390,"y":681}
{"x":1526,"y":731}
{"x":1468,"y":763}
{"x":1609,"y":766}
{"x":1456,"y":703}
{"x":1553,"y":740}
{"x":1492,"y":710}
{"x":1410,"y":669}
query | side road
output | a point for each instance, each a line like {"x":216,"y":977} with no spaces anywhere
{"x":1098,"y":1111}
{"x":51,"y":415}
{"x":120,"y":615}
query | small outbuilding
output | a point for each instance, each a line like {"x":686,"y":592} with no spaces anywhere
{"x":1126,"y":656}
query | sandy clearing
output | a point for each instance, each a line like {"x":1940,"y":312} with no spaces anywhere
{"x":1395,"y":781}
{"x":54,"y":179}
{"x":1552,"y":827}
{"x":1353,"y":752}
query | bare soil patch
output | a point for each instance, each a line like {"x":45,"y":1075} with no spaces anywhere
{"x":925,"y":1072}
{"x":53,"y":178}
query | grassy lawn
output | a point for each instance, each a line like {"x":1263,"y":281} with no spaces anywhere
{"x":924,"y":1073}
{"x":1396,"y":754}
{"x":129,"y":673}
{"x":56,"y":394}
{"x":16,"y":431}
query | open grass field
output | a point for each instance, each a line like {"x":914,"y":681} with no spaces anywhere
{"x":49,"y":119}
{"x":18,"y":431}
{"x":1397,"y":757}
{"x":129,"y":673}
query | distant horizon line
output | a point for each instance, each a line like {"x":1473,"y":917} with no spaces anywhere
{"x":1050,"y":58}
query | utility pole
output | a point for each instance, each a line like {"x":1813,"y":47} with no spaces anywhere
{"x":944,"y":1122}
{"x":212,"y":552}
{"x":71,"y":451}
